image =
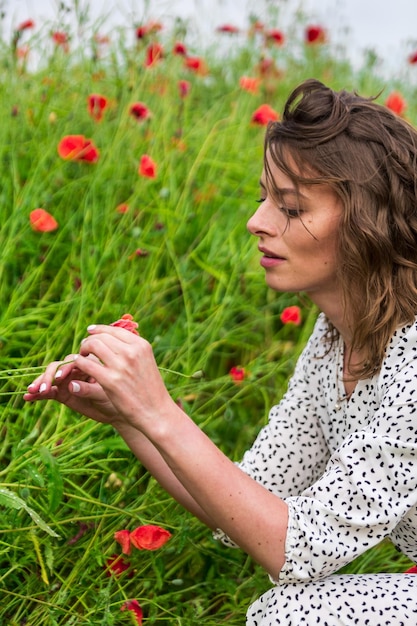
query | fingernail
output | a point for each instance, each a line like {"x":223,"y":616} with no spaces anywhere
{"x":91,"y":327}
{"x":42,"y":388}
{"x":75,"y":387}
{"x":31,"y":386}
{"x":58,"y":374}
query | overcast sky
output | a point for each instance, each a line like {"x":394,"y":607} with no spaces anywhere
{"x":389,"y":27}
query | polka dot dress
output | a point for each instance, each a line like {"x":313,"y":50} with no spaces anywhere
{"x":347,"y":469}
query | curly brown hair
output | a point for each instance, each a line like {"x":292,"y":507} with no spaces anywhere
{"x":368,"y":155}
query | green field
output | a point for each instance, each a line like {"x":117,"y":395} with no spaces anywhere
{"x":172,"y":249}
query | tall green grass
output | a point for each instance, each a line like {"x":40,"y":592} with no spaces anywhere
{"x":66,"y":483}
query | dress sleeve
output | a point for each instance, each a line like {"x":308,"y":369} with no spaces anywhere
{"x":369,"y":487}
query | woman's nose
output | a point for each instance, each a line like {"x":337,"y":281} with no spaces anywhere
{"x":260,"y":223}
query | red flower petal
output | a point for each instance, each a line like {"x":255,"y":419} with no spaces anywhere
{"x":291,"y":315}
{"x":25,"y":25}
{"x":184,"y":87}
{"x":237,"y":374}
{"x":77,"y":148}
{"x":412,"y":570}
{"x":196,"y":64}
{"x":147,"y":167}
{"x":116,"y":565}
{"x":139,"y":111}
{"x":123,"y":537}
{"x":96,"y":104}
{"x":149,"y":537}
{"x":42,"y":221}
{"x":396,"y":103}
{"x":315,"y":35}
{"x":249,"y":84}
{"x":264,"y":114}
{"x":276,"y":36}
{"x":412,"y":59}
{"x":127,"y":322}
{"x":179,"y":49}
{"x":154,"y":53}
{"x":134,"y":606}
{"x":227,"y":28}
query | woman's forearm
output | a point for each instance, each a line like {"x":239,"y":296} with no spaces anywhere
{"x":249,"y":514}
{"x":150,"y":457}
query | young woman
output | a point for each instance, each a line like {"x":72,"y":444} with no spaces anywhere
{"x":335,"y":470}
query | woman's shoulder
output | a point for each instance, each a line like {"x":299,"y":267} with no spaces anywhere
{"x":319,"y":349}
{"x":402,"y":347}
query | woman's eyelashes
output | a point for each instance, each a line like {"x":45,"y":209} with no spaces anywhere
{"x":290,"y":213}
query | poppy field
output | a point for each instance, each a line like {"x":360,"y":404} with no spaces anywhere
{"x":130,"y":166}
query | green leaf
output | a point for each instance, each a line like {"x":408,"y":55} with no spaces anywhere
{"x":12,"y":501}
{"x":55,"y":483}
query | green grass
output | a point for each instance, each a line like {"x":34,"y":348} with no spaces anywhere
{"x":197,"y":293}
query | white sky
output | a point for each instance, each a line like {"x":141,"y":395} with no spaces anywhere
{"x":387,"y":26}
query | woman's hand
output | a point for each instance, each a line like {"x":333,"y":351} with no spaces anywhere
{"x":122,"y":364}
{"x":64,"y":382}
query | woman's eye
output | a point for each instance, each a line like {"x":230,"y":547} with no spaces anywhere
{"x":260,"y":200}
{"x":290,"y":212}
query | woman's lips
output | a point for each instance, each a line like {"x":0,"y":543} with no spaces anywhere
{"x":269,"y":259}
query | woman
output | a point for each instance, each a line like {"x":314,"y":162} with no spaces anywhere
{"x":335,"y":469}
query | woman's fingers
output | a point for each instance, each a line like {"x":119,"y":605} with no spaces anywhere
{"x":55,"y":371}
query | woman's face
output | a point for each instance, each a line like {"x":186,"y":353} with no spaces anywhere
{"x":297,"y":236}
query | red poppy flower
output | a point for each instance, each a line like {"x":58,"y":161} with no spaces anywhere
{"x":116,"y":565}
{"x":139,"y":111}
{"x":275,"y":36}
{"x":60,"y":39}
{"x":154,"y":53}
{"x":412,"y":570}
{"x":96,"y":104}
{"x":249,"y":84}
{"x":134,"y":606}
{"x":197,"y":65}
{"x":141,"y":32}
{"x":144,"y":30}
{"x":179,"y":49}
{"x":227,"y":28}
{"x":25,"y":25}
{"x":264,"y":114}
{"x":77,"y":148}
{"x":127,"y":322}
{"x":396,"y":103}
{"x":184,"y":87}
{"x":149,"y":537}
{"x":123,"y":536}
{"x":412,"y":59}
{"x":291,"y":315}
{"x":122,"y":208}
{"x":42,"y":221}
{"x":147,"y":166}
{"x":138,"y":253}
{"x":237,"y":374}
{"x":315,"y":35}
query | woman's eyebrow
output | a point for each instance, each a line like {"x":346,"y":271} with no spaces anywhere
{"x":286,"y":191}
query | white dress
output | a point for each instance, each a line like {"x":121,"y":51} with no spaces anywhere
{"x":347,"y":469}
